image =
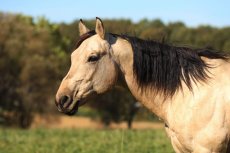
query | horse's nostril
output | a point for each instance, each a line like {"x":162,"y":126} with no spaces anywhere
{"x":65,"y":101}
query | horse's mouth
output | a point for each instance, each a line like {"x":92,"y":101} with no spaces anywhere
{"x":72,"y":108}
{"x":72,"y":111}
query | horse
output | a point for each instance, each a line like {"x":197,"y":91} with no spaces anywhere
{"x":187,"y":88}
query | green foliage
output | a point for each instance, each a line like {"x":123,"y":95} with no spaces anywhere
{"x":29,"y":60}
{"x":88,"y":112}
{"x":35,"y":56}
{"x":84,"y":141}
{"x":115,"y":105}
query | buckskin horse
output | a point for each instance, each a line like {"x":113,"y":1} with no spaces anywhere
{"x":189,"y":89}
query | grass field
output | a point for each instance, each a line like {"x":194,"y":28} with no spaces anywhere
{"x":83,"y":141}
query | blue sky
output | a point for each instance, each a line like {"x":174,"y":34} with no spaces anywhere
{"x":191,"y":12}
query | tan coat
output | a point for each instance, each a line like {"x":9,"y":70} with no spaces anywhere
{"x":197,"y":121}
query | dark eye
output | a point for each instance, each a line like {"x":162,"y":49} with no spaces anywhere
{"x":93,"y":58}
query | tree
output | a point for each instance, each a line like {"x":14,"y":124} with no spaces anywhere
{"x":31,"y":68}
{"x":35,"y":56}
{"x":116,"y":106}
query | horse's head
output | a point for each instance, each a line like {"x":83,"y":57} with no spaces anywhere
{"x":92,"y":70}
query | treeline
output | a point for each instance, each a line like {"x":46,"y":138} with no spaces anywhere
{"x":35,"y":55}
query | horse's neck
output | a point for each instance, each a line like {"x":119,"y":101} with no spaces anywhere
{"x":123,"y":55}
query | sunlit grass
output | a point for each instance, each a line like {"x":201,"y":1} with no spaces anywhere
{"x":83,"y":141}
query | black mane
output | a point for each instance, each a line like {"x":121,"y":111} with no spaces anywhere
{"x":164,"y":67}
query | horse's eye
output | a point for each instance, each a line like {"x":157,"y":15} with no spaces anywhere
{"x":93,"y":58}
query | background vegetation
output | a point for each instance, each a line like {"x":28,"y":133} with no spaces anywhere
{"x":35,"y":55}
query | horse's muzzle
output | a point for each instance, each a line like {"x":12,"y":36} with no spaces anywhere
{"x":66,"y":105}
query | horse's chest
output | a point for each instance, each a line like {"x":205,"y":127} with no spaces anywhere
{"x":180,"y":144}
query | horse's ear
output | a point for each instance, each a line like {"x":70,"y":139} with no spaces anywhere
{"x":100,"y":28}
{"x":82,"y":28}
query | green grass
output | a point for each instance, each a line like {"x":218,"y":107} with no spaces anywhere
{"x":83,"y":141}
